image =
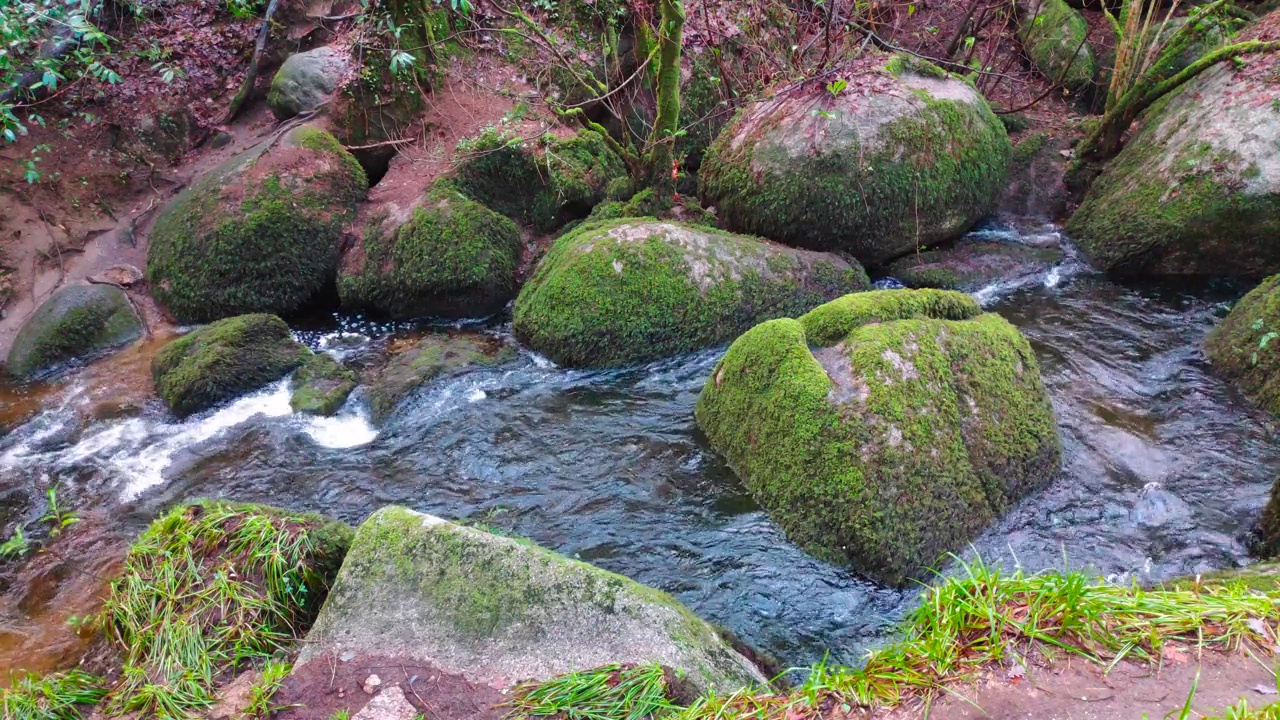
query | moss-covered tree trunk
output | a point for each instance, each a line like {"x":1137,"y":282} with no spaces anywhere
{"x":667,"y":123}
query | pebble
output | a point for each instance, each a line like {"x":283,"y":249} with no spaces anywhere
{"x":371,"y":684}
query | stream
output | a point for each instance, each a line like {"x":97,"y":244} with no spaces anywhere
{"x":1165,"y":467}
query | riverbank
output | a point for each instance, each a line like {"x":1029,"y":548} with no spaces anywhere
{"x":982,"y":643}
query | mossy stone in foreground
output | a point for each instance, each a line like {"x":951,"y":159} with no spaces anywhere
{"x":621,"y":291}
{"x":220,"y":361}
{"x":544,"y":183}
{"x":1054,"y":36}
{"x":898,"y":437}
{"x":259,"y":233}
{"x":1245,"y":346}
{"x":415,"y":588}
{"x":434,"y":356}
{"x":321,"y":385}
{"x":1196,"y":191}
{"x":452,"y":258}
{"x":906,"y":156}
{"x":75,"y":321}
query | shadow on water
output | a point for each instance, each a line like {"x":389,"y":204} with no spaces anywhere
{"x":1164,"y":468}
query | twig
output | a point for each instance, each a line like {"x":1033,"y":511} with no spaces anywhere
{"x":251,"y":76}
{"x":384,"y":143}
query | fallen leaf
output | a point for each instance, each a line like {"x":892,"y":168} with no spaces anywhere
{"x":1265,"y":689}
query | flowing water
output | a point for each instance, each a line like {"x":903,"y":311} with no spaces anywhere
{"x":1164,"y":467}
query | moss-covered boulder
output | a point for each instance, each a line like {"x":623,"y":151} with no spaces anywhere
{"x":321,"y":385}
{"x":1197,"y":190}
{"x":1245,"y":346}
{"x":1054,"y":35}
{"x":885,"y":429}
{"x":75,"y":321}
{"x":905,"y":156}
{"x":418,"y":589}
{"x":307,"y":80}
{"x":259,"y":233}
{"x":452,"y":257}
{"x":621,"y":291}
{"x":545,"y":182}
{"x":228,"y":358}
{"x":971,"y":265}
{"x":417,"y":362}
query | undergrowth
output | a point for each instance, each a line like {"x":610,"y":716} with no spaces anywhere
{"x":971,"y":620}
{"x":59,"y":696}
{"x":208,"y":588}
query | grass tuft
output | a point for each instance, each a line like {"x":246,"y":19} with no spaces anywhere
{"x":53,"y":697}
{"x":612,"y":692}
{"x":208,"y":588}
{"x":264,"y":690}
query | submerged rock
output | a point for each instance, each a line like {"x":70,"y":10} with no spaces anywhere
{"x":973,"y":264}
{"x":885,"y":429}
{"x":259,"y":233}
{"x":1197,"y":190}
{"x":321,"y":385}
{"x":499,"y":610}
{"x":434,"y":356}
{"x":306,"y":81}
{"x":906,"y":156}
{"x":622,"y":291}
{"x":1245,"y":347}
{"x":75,"y":321}
{"x":226,"y":359}
{"x":452,"y":257}
{"x":1054,"y":35}
{"x":544,"y":183}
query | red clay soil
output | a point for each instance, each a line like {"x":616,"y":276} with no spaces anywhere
{"x":322,"y":687}
{"x":1073,"y":689}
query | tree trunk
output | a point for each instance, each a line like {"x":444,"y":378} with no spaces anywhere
{"x":667,"y":123}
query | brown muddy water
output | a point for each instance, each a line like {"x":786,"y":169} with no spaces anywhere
{"x":1164,"y":470}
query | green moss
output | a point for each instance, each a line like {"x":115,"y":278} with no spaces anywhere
{"x":926,"y":177}
{"x":1263,"y":577}
{"x":74,"y":321}
{"x":1167,"y":208}
{"x":831,"y":323}
{"x":1055,"y":41}
{"x":544,"y":183}
{"x":893,"y":447}
{"x":321,"y":385}
{"x":434,"y":356}
{"x":1027,"y":147}
{"x":259,"y":233}
{"x":1245,"y":346}
{"x":223,"y":360}
{"x":622,"y":291}
{"x":453,"y":258}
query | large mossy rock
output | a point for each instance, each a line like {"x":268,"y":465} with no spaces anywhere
{"x":306,"y":81}
{"x":228,"y":358}
{"x":321,"y":385}
{"x":75,"y":321}
{"x":885,"y":429}
{"x":904,"y":157}
{"x":259,"y":233}
{"x":1054,"y":35}
{"x":622,"y":291}
{"x":497,"y":610}
{"x":544,"y":183}
{"x":1197,"y":190}
{"x":1245,"y":346}
{"x":435,"y":356}
{"x":452,"y":257}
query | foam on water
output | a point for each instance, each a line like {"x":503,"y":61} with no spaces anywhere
{"x":136,"y":452}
